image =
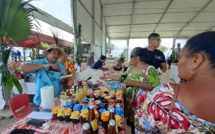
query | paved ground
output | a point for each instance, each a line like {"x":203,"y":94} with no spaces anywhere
{"x":6,"y":118}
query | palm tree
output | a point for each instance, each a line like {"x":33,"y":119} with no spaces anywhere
{"x":15,"y":26}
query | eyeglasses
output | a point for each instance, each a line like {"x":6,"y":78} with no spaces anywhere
{"x":131,"y":56}
{"x":159,"y":40}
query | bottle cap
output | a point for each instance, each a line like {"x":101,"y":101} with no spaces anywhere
{"x":112,"y":122}
{"x":91,"y":106}
{"x":111,"y":109}
{"x":86,"y":126}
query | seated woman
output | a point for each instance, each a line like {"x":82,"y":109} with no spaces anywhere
{"x":139,"y":75}
{"x":100,"y":63}
{"x":70,"y":69}
{"x":193,"y":109}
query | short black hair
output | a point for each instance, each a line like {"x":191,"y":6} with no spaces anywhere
{"x":153,"y":35}
{"x":142,"y":53}
{"x":102,"y":57}
{"x":92,"y":53}
{"x":50,"y":50}
{"x":203,"y":42}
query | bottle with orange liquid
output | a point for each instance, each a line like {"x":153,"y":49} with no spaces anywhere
{"x":112,"y":128}
{"x":92,"y":120}
{"x":86,"y":128}
{"x":112,"y":114}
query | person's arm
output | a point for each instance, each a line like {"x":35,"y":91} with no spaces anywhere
{"x":163,"y":63}
{"x":103,"y":68}
{"x":71,"y":82}
{"x":163,"y":67}
{"x":33,"y":67}
{"x":113,"y":77}
{"x":144,"y":85}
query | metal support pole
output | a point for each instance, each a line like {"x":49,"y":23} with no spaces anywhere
{"x":93,"y":25}
{"x":74,"y":19}
{"x":173,"y":47}
{"x":127,"y":49}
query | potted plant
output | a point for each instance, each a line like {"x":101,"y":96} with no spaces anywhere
{"x":122,"y":58}
{"x":15,"y":25}
{"x":120,"y":61}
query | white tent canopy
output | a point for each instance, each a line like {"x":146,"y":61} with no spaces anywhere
{"x":126,"y":19}
{"x":169,"y":18}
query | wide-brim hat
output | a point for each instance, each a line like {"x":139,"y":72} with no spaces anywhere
{"x":54,"y":46}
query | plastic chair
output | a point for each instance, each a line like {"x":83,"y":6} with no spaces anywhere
{"x":19,"y":106}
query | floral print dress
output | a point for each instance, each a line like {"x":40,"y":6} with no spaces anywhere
{"x":152,"y":117}
{"x":150,"y":75}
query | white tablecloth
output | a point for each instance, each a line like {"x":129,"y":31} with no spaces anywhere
{"x":28,"y":87}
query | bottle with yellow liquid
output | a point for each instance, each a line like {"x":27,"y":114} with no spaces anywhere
{"x":85,"y":90}
{"x":78,"y":95}
{"x":81,"y":91}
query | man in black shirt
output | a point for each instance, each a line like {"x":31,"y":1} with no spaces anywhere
{"x":157,"y":56}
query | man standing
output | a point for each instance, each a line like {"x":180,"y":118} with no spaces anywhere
{"x":90,"y":60}
{"x":157,"y":56}
{"x":47,"y":72}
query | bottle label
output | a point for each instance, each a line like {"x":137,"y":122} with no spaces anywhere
{"x":94,"y":124}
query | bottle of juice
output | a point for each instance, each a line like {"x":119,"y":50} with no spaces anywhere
{"x":85,"y":90}
{"x":86,"y":128}
{"x":92,"y":120}
{"x":78,"y":96}
{"x":112,"y":114}
{"x":81,"y":90}
{"x":112,"y":128}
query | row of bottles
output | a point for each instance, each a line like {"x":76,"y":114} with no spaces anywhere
{"x":91,"y":127}
{"x":111,"y":130}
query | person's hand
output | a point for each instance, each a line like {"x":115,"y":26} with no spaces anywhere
{"x":57,"y":101}
{"x":104,"y":69}
{"x":54,"y":66}
{"x":107,"y":77}
{"x":71,"y":83}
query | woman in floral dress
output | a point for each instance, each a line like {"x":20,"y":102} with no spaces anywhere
{"x":194,"y":108}
{"x":140,"y":77}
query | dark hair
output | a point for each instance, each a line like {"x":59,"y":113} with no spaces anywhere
{"x":102,"y":57}
{"x":142,"y":53}
{"x":153,"y":35}
{"x":50,"y":50}
{"x":203,"y":42}
{"x":92,"y":53}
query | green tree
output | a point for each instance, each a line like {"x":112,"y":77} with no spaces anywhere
{"x":109,"y":48}
{"x":163,"y":48}
{"x":15,"y":25}
{"x":79,"y":46}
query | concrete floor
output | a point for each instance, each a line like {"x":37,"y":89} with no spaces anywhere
{"x":6,"y":118}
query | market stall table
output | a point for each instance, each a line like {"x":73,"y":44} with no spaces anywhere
{"x":58,"y":127}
